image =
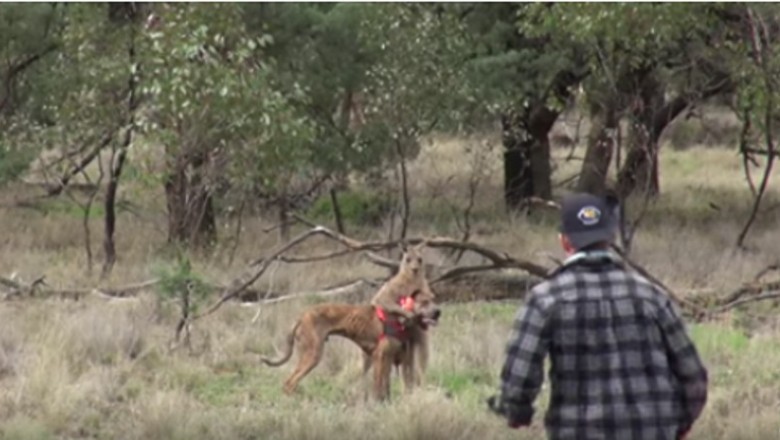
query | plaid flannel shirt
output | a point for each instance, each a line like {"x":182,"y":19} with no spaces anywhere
{"x":622,"y":365}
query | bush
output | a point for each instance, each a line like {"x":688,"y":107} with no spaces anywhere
{"x":12,"y":162}
{"x":178,"y":280}
{"x":357,"y":207}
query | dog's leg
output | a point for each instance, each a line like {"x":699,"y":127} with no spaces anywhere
{"x":310,"y":353}
{"x":367,"y":361}
{"x":383,"y":358}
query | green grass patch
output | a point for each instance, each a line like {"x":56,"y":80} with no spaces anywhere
{"x":500,"y":312}
{"x":68,"y":208}
{"x":24,"y":428}
{"x":713,"y":338}
{"x":460,"y":382}
{"x":234,"y":388}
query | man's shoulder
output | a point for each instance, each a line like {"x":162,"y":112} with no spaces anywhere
{"x":617,"y":278}
{"x":545,"y":293}
{"x":647,"y":289}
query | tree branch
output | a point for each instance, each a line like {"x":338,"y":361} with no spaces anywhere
{"x":745,"y":151}
{"x":15,"y":70}
{"x":80,"y":165}
{"x":761,"y":60}
{"x":740,"y":302}
{"x":404,"y":188}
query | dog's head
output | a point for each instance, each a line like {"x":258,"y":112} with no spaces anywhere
{"x":424,"y":307}
{"x":411,"y":260}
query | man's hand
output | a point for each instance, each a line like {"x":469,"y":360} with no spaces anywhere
{"x":516,"y":425}
{"x":495,"y":405}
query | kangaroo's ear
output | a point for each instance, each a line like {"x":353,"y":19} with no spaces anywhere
{"x":404,"y":247}
{"x":421,"y":245}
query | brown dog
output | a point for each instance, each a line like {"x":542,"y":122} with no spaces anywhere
{"x":363,"y":326}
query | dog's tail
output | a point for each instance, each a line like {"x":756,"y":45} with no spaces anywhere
{"x":288,"y":349}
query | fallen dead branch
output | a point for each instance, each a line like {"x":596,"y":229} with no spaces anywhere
{"x":501,"y":277}
{"x":16,"y":289}
{"x":355,"y":288}
{"x":259,"y":267}
{"x":771,"y":268}
{"x":772,"y":294}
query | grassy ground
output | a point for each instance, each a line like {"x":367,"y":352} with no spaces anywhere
{"x":96,"y":369}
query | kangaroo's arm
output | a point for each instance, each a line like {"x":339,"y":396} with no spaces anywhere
{"x":388,"y":298}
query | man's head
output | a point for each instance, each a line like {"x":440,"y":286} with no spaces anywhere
{"x":586,"y":221}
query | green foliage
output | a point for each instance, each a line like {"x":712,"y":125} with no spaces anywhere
{"x":212,"y":89}
{"x":359,"y":207}
{"x":625,"y":44}
{"x":178,"y":280}
{"x":392,"y":63}
{"x":94,"y":69}
{"x":29,"y":32}
{"x":12,"y":161}
{"x":755,"y":67}
{"x":507,"y":67}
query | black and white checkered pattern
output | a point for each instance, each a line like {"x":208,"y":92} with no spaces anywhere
{"x":622,"y":364}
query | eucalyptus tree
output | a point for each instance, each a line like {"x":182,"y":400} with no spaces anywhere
{"x":214,"y":109}
{"x":523,"y":80}
{"x":29,"y":38}
{"x":650,"y":62}
{"x":375,"y":77}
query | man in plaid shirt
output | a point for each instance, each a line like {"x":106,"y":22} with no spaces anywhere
{"x":622,"y":366}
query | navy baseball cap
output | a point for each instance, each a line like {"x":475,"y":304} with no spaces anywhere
{"x":587,"y":219}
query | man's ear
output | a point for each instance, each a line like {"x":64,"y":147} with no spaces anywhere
{"x":566,"y":244}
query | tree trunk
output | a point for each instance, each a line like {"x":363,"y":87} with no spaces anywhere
{"x":115,"y":171}
{"x":540,"y":124}
{"x":518,"y":180}
{"x":601,"y":145}
{"x":176,"y":199}
{"x":640,"y":169}
{"x":200,"y":221}
{"x":191,"y":216}
{"x":118,"y":161}
{"x":527,"y":155}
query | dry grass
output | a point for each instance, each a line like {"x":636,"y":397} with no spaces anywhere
{"x":92,"y":369}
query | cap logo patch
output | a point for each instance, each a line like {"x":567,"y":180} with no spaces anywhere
{"x":589,"y":215}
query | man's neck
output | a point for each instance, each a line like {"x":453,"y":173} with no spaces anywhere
{"x":594,"y":253}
